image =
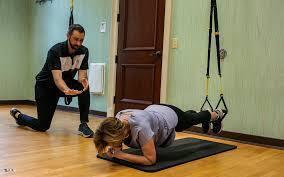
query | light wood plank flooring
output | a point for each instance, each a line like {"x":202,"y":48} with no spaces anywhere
{"x":60,"y":152}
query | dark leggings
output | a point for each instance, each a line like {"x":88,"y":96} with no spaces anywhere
{"x":189,"y":118}
{"x":47,"y":99}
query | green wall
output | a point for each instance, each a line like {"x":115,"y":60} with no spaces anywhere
{"x":49,"y":25}
{"x":14,"y":50}
{"x":253,"y":72}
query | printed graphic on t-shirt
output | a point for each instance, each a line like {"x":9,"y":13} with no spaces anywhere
{"x":77,"y":61}
{"x":66,"y":62}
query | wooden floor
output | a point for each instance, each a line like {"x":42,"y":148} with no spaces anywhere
{"x":60,"y":152}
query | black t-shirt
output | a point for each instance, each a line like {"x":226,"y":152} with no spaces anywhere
{"x":58,"y":58}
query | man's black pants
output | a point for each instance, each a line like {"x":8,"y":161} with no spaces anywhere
{"x":47,"y":99}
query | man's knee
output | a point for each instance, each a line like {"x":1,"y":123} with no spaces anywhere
{"x":43,"y":128}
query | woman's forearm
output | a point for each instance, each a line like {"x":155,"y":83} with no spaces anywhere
{"x":134,"y":158}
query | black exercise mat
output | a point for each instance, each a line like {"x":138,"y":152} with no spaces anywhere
{"x":181,"y":151}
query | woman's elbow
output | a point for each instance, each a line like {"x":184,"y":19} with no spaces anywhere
{"x":150,"y":161}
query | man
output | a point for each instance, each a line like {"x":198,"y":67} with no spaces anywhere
{"x":56,"y":79}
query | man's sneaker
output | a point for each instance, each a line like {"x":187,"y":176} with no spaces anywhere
{"x":85,"y":130}
{"x":217,"y":124}
{"x":13,"y":112}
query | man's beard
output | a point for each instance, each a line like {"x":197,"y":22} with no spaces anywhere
{"x":74,"y":47}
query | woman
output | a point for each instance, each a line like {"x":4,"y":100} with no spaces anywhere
{"x":155,"y":126}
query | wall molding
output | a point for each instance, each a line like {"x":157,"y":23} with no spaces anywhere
{"x":59,"y":107}
{"x":242,"y":138}
{"x":74,"y":109}
{"x":17,"y":102}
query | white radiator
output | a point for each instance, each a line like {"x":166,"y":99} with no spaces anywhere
{"x":97,"y":78}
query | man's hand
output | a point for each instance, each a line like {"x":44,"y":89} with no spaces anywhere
{"x":72,"y":92}
{"x":85,"y":84}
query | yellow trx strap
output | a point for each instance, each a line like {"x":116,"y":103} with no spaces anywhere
{"x":214,"y":17}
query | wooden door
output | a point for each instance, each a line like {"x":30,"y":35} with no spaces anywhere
{"x":139,"y":55}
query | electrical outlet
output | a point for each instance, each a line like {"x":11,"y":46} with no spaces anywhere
{"x":174,"y":43}
{"x":103,"y":27}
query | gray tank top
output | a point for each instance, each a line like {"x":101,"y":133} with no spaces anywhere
{"x":155,"y":121}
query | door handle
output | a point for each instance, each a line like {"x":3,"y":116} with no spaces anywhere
{"x":156,"y":54}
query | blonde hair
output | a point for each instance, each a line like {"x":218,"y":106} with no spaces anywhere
{"x":110,"y":131}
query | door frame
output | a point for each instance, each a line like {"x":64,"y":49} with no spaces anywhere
{"x":113,"y":51}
